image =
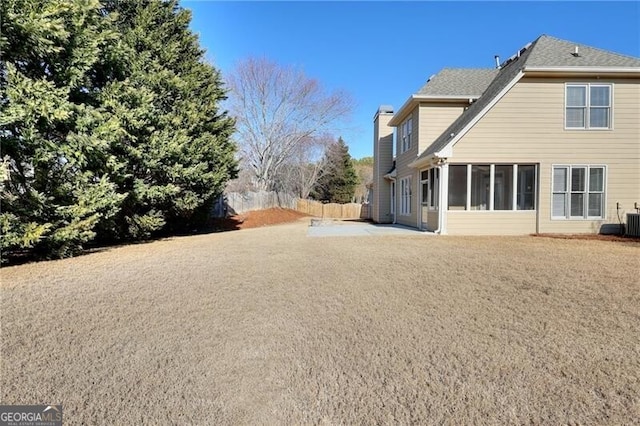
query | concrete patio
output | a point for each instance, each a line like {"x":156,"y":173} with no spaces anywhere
{"x":325,"y":228}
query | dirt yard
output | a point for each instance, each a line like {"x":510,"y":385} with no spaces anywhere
{"x":269,"y":326}
{"x":257,"y":219}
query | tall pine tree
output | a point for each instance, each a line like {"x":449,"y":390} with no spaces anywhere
{"x":339,"y":179}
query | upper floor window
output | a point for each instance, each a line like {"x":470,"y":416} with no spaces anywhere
{"x":588,"y":106}
{"x":405,"y":130}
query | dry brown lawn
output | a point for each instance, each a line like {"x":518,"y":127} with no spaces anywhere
{"x":269,"y":326}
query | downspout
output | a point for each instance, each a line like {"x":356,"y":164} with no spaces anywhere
{"x":537,"y":196}
{"x":419,"y":201}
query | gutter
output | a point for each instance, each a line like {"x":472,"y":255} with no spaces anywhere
{"x":585,"y":70}
{"x":419,"y":162}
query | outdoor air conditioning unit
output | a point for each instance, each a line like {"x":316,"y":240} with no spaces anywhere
{"x":633,"y":224}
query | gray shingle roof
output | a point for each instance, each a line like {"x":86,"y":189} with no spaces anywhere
{"x":553,"y":52}
{"x":463,"y":82}
{"x":545,"y":51}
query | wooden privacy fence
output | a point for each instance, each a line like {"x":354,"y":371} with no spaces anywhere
{"x":333,"y":210}
{"x":234,"y":203}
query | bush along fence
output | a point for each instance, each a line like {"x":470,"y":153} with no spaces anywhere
{"x":235,"y":203}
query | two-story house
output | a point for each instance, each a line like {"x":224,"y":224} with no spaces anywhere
{"x":548,"y":142}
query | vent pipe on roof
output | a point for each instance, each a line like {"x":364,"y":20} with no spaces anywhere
{"x":576,"y":53}
{"x":497,"y":58}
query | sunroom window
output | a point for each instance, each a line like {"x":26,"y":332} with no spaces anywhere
{"x":503,"y":187}
{"x":457,"y":187}
{"x":492,"y":187}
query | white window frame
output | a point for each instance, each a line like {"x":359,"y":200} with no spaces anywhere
{"x":424,"y":184}
{"x":432,"y":183}
{"x":429,"y":188}
{"x":490,"y":207}
{"x":516,"y":200}
{"x":568,"y":191}
{"x":406,"y":193}
{"x":588,"y":106}
{"x":406,"y":130}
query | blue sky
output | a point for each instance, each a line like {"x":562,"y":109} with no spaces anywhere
{"x":382,"y":52}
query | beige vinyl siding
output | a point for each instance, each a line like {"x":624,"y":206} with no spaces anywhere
{"x":429,"y":219}
{"x":527,"y":126}
{"x":491,"y":222}
{"x":434,"y":118}
{"x":403,"y":170}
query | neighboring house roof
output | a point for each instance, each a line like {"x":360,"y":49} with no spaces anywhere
{"x":458,"y":82}
{"x":544,"y":53}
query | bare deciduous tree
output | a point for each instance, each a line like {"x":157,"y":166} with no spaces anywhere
{"x":280,"y":113}
{"x":304,"y":166}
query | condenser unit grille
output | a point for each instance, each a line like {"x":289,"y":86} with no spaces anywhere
{"x":633,"y":224}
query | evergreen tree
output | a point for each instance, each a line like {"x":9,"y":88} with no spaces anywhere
{"x":171,"y":134}
{"x":339,"y":179}
{"x":109,"y":123}
{"x":54,"y":189}
{"x":364,"y":170}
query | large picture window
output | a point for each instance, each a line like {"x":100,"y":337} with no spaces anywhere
{"x":578,"y":192}
{"x":588,"y":106}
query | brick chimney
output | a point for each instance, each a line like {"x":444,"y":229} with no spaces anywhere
{"x":382,"y":164}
